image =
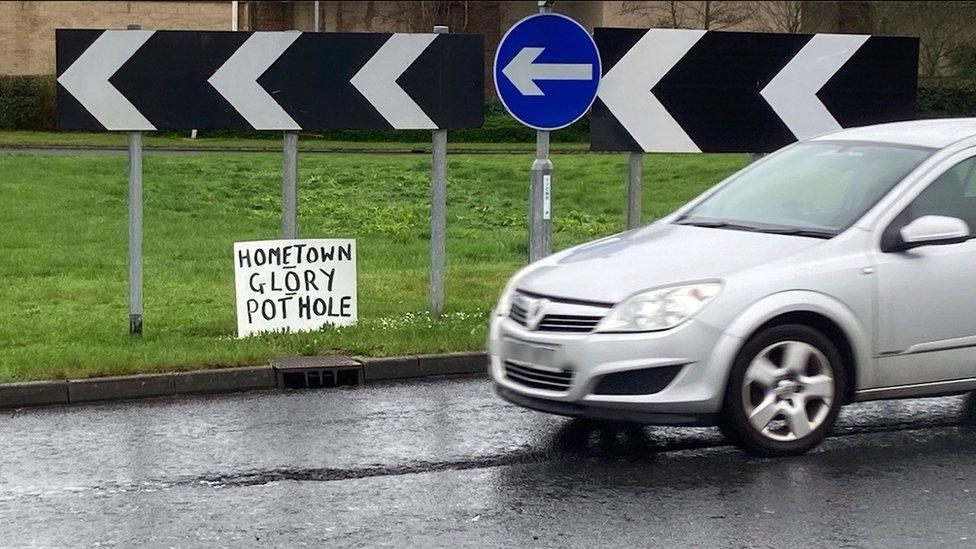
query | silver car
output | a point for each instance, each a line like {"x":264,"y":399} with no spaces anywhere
{"x":838,"y":269}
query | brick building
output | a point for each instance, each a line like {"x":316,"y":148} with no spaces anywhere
{"x":27,"y":27}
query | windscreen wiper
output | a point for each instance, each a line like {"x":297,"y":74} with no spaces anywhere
{"x":716,"y":224}
{"x":795,"y":231}
{"x":792,"y":231}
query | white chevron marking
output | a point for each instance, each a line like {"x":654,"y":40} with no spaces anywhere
{"x":87,"y":80}
{"x":237,"y":78}
{"x":792,"y":93}
{"x":376,"y":80}
{"x":626,"y":90}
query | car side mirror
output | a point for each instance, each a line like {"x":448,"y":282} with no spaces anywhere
{"x":931,"y":230}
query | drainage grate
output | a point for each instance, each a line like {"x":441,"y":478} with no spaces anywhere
{"x":316,"y":372}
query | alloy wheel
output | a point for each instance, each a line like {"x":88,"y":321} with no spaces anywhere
{"x":788,"y":390}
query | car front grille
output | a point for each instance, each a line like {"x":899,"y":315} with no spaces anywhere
{"x":568,"y":323}
{"x":558,"y":323}
{"x":517,"y":314}
{"x":566,"y":316}
{"x":538,"y":378}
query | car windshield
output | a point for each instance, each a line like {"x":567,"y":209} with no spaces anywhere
{"x":812,"y":189}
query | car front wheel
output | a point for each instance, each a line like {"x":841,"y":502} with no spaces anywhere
{"x":784,"y":391}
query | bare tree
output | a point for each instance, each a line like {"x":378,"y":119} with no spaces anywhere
{"x":707,"y":14}
{"x":370,"y":14}
{"x":882,"y":15}
{"x":940,"y":27}
{"x":421,"y":16}
{"x":780,"y":16}
{"x":672,"y":19}
{"x":721,"y":15}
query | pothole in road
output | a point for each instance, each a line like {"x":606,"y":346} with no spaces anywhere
{"x":574,"y":441}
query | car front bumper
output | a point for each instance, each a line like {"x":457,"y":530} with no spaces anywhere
{"x":693,"y":397}
{"x":573,"y":409}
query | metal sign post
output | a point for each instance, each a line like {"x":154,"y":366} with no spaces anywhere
{"x":135,"y":228}
{"x":540,"y":187}
{"x":289,"y":185}
{"x":438,"y":214}
{"x":135,"y":233}
{"x":540,"y":199}
{"x":635,"y":175}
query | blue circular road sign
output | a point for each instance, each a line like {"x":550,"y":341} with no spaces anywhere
{"x":547,"y":70}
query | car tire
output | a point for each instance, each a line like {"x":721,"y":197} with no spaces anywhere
{"x":784,"y":392}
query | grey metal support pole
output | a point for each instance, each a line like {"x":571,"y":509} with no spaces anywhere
{"x":540,"y":187}
{"x":289,"y":185}
{"x":135,"y":228}
{"x":635,"y":169}
{"x":135,"y":233}
{"x":438,"y":214}
{"x":540,"y":200}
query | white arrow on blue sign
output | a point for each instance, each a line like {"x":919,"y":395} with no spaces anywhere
{"x":547,"y":70}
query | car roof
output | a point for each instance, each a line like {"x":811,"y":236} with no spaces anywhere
{"x":936,"y":134}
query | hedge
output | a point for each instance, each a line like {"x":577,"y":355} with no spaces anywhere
{"x":945,"y":97}
{"x":499,"y":127}
{"x":27,"y":103}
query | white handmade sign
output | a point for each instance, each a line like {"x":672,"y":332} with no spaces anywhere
{"x":294,"y":285}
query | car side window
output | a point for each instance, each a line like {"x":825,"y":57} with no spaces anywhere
{"x":952,"y":194}
{"x":969,"y":176}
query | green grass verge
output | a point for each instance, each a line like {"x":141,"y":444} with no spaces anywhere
{"x":11,"y":138}
{"x":63,"y":247}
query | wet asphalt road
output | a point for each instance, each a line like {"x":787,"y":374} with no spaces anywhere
{"x":446,"y":463}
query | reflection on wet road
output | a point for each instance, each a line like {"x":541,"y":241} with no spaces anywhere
{"x":446,"y":463}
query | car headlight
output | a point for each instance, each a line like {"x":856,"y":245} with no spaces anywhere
{"x":505,"y":300}
{"x":659,"y":309}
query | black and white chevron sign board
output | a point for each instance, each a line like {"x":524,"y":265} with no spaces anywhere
{"x":133,"y":80}
{"x":667,"y":90}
